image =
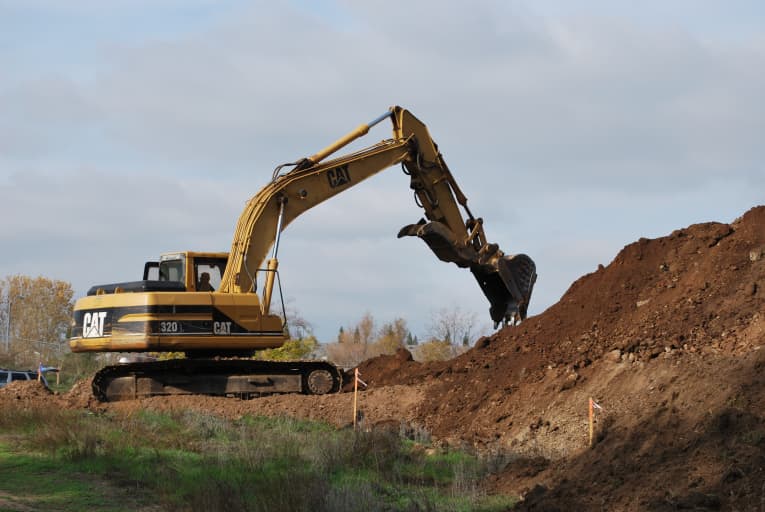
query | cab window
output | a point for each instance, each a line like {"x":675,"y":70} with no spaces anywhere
{"x":208,"y":273}
{"x":171,"y":270}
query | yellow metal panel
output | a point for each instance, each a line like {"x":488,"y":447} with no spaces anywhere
{"x":242,"y":308}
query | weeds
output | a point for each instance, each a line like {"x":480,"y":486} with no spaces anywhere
{"x":38,"y":482}
{"x":755,"y":437}
{"x":192,"y":460}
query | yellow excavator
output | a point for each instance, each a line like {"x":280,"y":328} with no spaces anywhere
{"x":207,"y":305}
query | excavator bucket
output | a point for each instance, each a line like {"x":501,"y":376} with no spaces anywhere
{"x":508,"y":285}
{"x":506,"y":280}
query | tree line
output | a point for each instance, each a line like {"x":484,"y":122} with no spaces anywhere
{"x":35,"y":324}
{"x":450,"y":332}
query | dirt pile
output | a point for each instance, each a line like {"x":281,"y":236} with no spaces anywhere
{"x":667,"y":337}
{"x":698,"y":290}
{"x":388,"y":370}
{"x":80,"y":396}
{"x":24,"y":390}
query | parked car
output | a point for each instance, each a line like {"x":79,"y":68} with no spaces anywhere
{"x":7,"y":376}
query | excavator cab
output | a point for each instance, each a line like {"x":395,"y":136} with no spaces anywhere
{"x":196,"y":271}
{"x":172,"y":267}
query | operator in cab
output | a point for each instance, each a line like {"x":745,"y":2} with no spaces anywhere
{"x":204,"y":283}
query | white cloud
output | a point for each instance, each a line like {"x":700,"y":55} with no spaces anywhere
{"x":571,"y":133}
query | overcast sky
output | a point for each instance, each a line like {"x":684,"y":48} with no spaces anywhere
{"x":134,"y":127}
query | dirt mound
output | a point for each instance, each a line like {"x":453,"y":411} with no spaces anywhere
{"x":698,"y":290}
{"x":667,"y":338}
{"x":26,"y":390}
{"x":389,"y":370}
{"x":80,"y":396}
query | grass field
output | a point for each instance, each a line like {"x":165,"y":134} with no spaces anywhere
{"x":72,"y":460}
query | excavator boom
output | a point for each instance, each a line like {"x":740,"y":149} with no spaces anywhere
{"x":507,"y":281}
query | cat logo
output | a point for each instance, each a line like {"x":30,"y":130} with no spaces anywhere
{"x":221,"y":327}
{"x":338,"y":176}
{"x":93,"y":324}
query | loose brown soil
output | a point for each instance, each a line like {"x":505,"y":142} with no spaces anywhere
{"x":668,"y":339}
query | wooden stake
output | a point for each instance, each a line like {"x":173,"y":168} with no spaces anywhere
{"x":592,"y":422}
{"x":355,"y":394}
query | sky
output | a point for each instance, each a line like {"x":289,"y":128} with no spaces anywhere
{"x":132,"y":128}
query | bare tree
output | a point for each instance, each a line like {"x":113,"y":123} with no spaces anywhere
{"x":297,"y":326}
{"x":453,"y":325}
{"x":366,"y":329}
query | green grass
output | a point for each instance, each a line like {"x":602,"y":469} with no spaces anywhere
{"x":42,"y":482}
{"x":190,"y":460}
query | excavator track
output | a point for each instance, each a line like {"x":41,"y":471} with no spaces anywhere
{"x":242,"y":378}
